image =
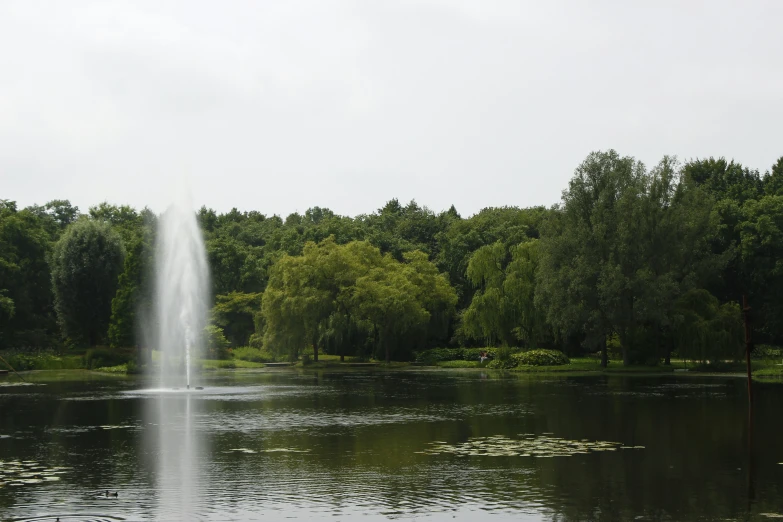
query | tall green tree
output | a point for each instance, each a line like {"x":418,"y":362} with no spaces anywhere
{"x":132,"y":303}
{"x":761,"y":263}
{"x":26,"y":314}
{"x":86,"y":263}
{"x":388,"y":301}
{"x":582,"y":260}
{"x":773,"y":181}
{"x":623,"y":247}
{"x":333,"y":293}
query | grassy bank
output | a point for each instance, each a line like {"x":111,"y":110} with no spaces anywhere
{"x":121,"y":362}
{"x":760,"y":368}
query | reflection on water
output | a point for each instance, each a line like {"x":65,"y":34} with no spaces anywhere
{"x":439,"y":445}
{"x":177,"y":451}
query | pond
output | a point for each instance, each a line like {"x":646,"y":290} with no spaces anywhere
{"x":377,"y":445}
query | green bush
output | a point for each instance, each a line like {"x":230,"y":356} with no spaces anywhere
{"x":104,"y":357}
{"x":765,"y":351}
{"x":120,"y":368}
{"x":540,"y":358}
{"x":217,"y":344}
{"x":41,"y":360}
{"x":436,"y":355}
{"x":21,"y":361}
{"x":502,"y":364}
{"x":247,"y":353}
{"x":459,"y":364}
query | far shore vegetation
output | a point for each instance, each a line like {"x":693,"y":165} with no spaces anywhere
{"x":637,"y":269}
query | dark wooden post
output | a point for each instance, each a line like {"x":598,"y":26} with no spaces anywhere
{"x":748,"y":346}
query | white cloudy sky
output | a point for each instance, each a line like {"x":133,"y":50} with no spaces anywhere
{"x":280,"y":106}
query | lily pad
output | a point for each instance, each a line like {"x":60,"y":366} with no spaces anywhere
{"x":541,"y":446}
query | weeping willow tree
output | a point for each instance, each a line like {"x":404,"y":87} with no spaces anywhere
{"x":705,"y":330}
{"x":343,"y":297}
{"x":503,"y":309}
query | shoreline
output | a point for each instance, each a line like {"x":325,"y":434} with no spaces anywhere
{"x":767,"y":374}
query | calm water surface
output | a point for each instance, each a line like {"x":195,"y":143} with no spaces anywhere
{"x":280,"y":444}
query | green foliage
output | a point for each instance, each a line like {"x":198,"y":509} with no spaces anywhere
{"x":103,"y":357}
{"x":120,"y":368}
{"x":623,"y":247}
{"x":645,"y":262}
{"x":217,"y":344}
{"x":725,"y":179}
{"x":86,"y":263}
{"x":134,"y":293}
{"x":767,"y":352}
{"x":434,"y":355}
{"x":503,"y":309}
{"x":247,"y":353}
{"x":773,"y":181}
{"x":540,"y":358}
{"x":502,"y":364}
{"x":706,"y":330}
{"x":234,"y":312}
{"x":41,"y":360}
{"x":760,"y":263}
{"x":337,"y":295}
{"x":462,"y":237}
{"x":26,"y":317}
{"x":460,"y":364}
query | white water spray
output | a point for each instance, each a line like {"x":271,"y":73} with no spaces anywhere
{"x":181,"y":304}
{"x":181,"y":292}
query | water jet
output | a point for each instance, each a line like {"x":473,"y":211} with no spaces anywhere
{"x":181,"y":306}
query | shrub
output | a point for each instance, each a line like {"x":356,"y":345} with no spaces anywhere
{"x":765,"y":351}
{"x":459,"y":364}
{"x":21,"y":362}
{"x":247,"y":353}
{"x":41,"y":360}
{"x":120,"y":368}
{"x":540,"y":358}
{"x":217,"y":344}
{"x":502,"y":364}
{"x":104,"y":357}
{"x":435,"y":355}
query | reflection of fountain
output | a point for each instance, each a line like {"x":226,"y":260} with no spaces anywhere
{"x":182,"y":281}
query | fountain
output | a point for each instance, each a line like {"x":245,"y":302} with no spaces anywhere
{"x":181,"y":305}
{"x":181,"y":293}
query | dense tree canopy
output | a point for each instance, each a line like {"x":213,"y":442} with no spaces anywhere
{"x":26,"y":312}
{"x":645,"y":261}
{"x":333,"y":293}
{"x":86,"y":263}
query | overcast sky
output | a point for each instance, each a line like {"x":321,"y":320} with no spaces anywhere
{"x":281,"y":106}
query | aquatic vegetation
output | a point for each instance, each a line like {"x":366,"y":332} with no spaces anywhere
{"x":528,"y":445}
{"x":21,"y":473}
{"x":268,"y":450}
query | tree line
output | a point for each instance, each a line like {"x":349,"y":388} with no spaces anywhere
{"x":644,"y":263}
